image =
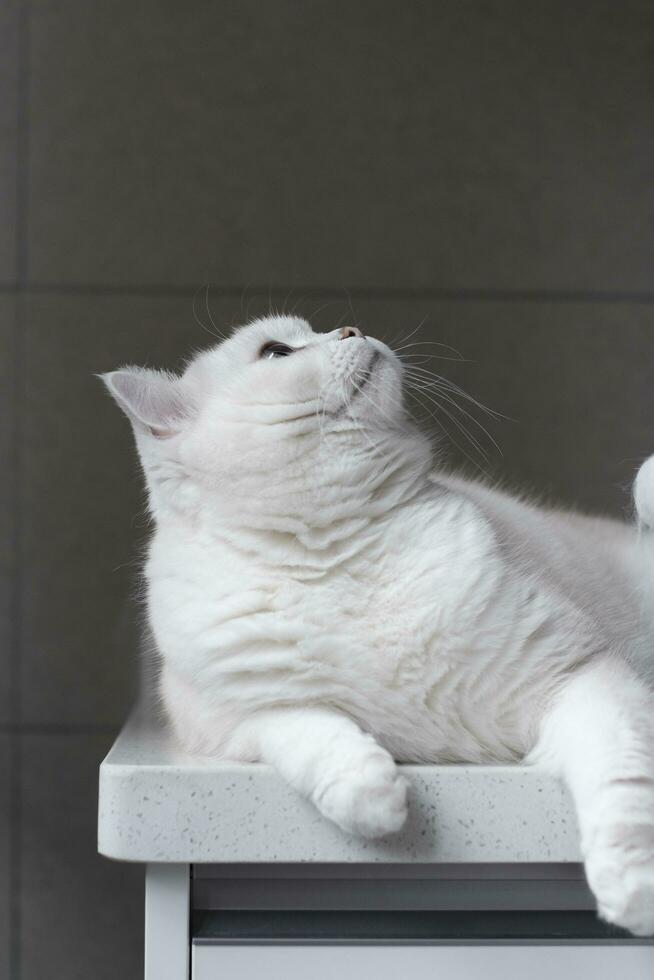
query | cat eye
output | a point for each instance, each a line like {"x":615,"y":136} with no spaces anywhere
{"x":276,"y":349}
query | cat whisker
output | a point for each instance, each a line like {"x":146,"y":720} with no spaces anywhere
{"x":297,"y":303}
{"x":430,"y":377}
{"x":465,"y":431}
{"x":426,"y":356}
{"x":219,"y":333}
{"x":432,"y":414}
{"x":438,"y":396}
{"x":285,"y":301}
{"x":444,"y":393}
{"x":432,"y":343}
{"x":197,"y":319}
{"x":414,"y":331}
{"x":355,"y":319}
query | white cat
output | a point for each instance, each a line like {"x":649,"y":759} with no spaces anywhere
{"x":324,"y":600}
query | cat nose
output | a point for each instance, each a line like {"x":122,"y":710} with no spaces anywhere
{"x":347,"y":332}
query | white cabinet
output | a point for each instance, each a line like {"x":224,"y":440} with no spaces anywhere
{"x":422,"y":962}
{"x":462,"y":922}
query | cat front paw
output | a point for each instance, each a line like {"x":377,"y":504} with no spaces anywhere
{"x":370,"y":800}
{"x":621,"y":876}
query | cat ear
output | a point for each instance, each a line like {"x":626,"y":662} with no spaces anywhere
{"x":152,"y":400}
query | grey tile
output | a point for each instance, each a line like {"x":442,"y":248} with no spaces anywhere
{"x":5,"y":847}
{"x":82,"y":916}
{"x":84,"y":512}
{"x":9,"y":67}
{"x":7,"y":491}
{"x":481,"y":145}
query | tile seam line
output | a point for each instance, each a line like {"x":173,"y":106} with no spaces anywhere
{"x":27,"y":728}
{"x":297,"y":293}
{"x":21,"y":259}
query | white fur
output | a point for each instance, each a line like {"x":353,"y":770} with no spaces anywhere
{"x":325,"y":601}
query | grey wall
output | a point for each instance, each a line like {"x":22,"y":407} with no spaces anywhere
{"x":484,"y":165}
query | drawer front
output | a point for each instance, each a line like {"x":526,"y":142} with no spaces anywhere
{"x":368,"y":962}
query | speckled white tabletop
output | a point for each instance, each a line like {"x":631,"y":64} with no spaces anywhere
{"x":157,"y":805}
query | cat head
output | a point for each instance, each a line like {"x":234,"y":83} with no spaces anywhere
{"x":266,"y":420}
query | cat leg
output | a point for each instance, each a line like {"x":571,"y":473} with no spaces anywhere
{"x":324,"y":755}
{"x":599,"y":736}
